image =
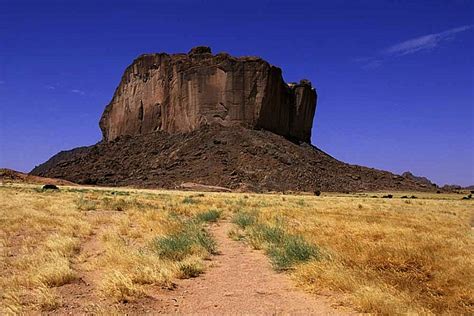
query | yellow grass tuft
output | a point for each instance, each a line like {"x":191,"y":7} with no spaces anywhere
{"x":190,"y":267}
{"x":11,"y":302}
{"x":63,"y":245}
{"x":54,"y":270}
{"x":47,"y":299}
{"x":120,"y":287}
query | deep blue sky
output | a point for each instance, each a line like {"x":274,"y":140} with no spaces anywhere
{"x":394,"y":78}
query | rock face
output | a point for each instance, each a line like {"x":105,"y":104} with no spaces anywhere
{"x":183,"y":92}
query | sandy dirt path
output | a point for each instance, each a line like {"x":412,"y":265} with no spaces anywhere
{"x":239,"y":281}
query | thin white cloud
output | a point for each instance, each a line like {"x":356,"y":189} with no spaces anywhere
{"x":425,"y":42}
{"x":372,"y":63}
{"x":78,"y":91}
{"x":51,"y":87}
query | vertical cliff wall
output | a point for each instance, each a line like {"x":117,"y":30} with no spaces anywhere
{"x":181,"y":92}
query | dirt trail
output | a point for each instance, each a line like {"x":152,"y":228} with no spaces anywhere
{"x":80,"y":296}
{"x":240,"y":281}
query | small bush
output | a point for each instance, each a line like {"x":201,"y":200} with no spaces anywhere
{"x":192,"y":239}
{"x":388,"y":196}
{"x":285,"y":250}
{"x":317,"y":193}
{"x":244,"y":219}
{"x":205,"y":240}
{"x":120,"y":193}
{"x":209,"y":216}
{"x":301,"y":202}
{"x":264,"y":234}
{"x":190,"y":200}
{"x":293,"y":250}
{"x":190,"y":268}
{"x":175,"y":247}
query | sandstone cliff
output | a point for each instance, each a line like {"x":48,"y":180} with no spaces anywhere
{"x":182,"y":92}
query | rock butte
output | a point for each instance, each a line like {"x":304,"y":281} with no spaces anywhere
{"x":218,"y":121}
{"x":182,"y":92}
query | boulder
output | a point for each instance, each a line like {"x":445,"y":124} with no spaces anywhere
{"x":50,"y":187}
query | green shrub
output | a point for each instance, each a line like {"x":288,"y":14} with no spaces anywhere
{"x":284,"y":249}
{"x":301,"y":202}
{"x":209,"y":216}
{"x":119,"y":193}
{"x":190,"y":200}
{"x":205,"y":240}
{"x":244,"y":219}
{"x":175,"y":247}
{"x":190,"y":240}
{"x":261,"y":235}
{"x":293,"y":250}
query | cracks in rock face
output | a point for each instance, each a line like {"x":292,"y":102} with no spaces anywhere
{"x":140,"y":111}
{"x":158,"y":119}
{"x":140,"y":116}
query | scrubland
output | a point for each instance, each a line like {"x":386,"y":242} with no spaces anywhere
{"x":102,"y":248}
{"x":110,"y":245}
{"x":386,"y":256}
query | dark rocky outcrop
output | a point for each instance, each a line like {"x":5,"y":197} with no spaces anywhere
{"x":182,"y":92}
{"x":422,"y":180}
{"x":231,"y":157}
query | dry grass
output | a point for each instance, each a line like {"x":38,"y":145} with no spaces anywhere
{"x":39,"y":235}
{"x":386,"y":255}
{"x":101,"y":237}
